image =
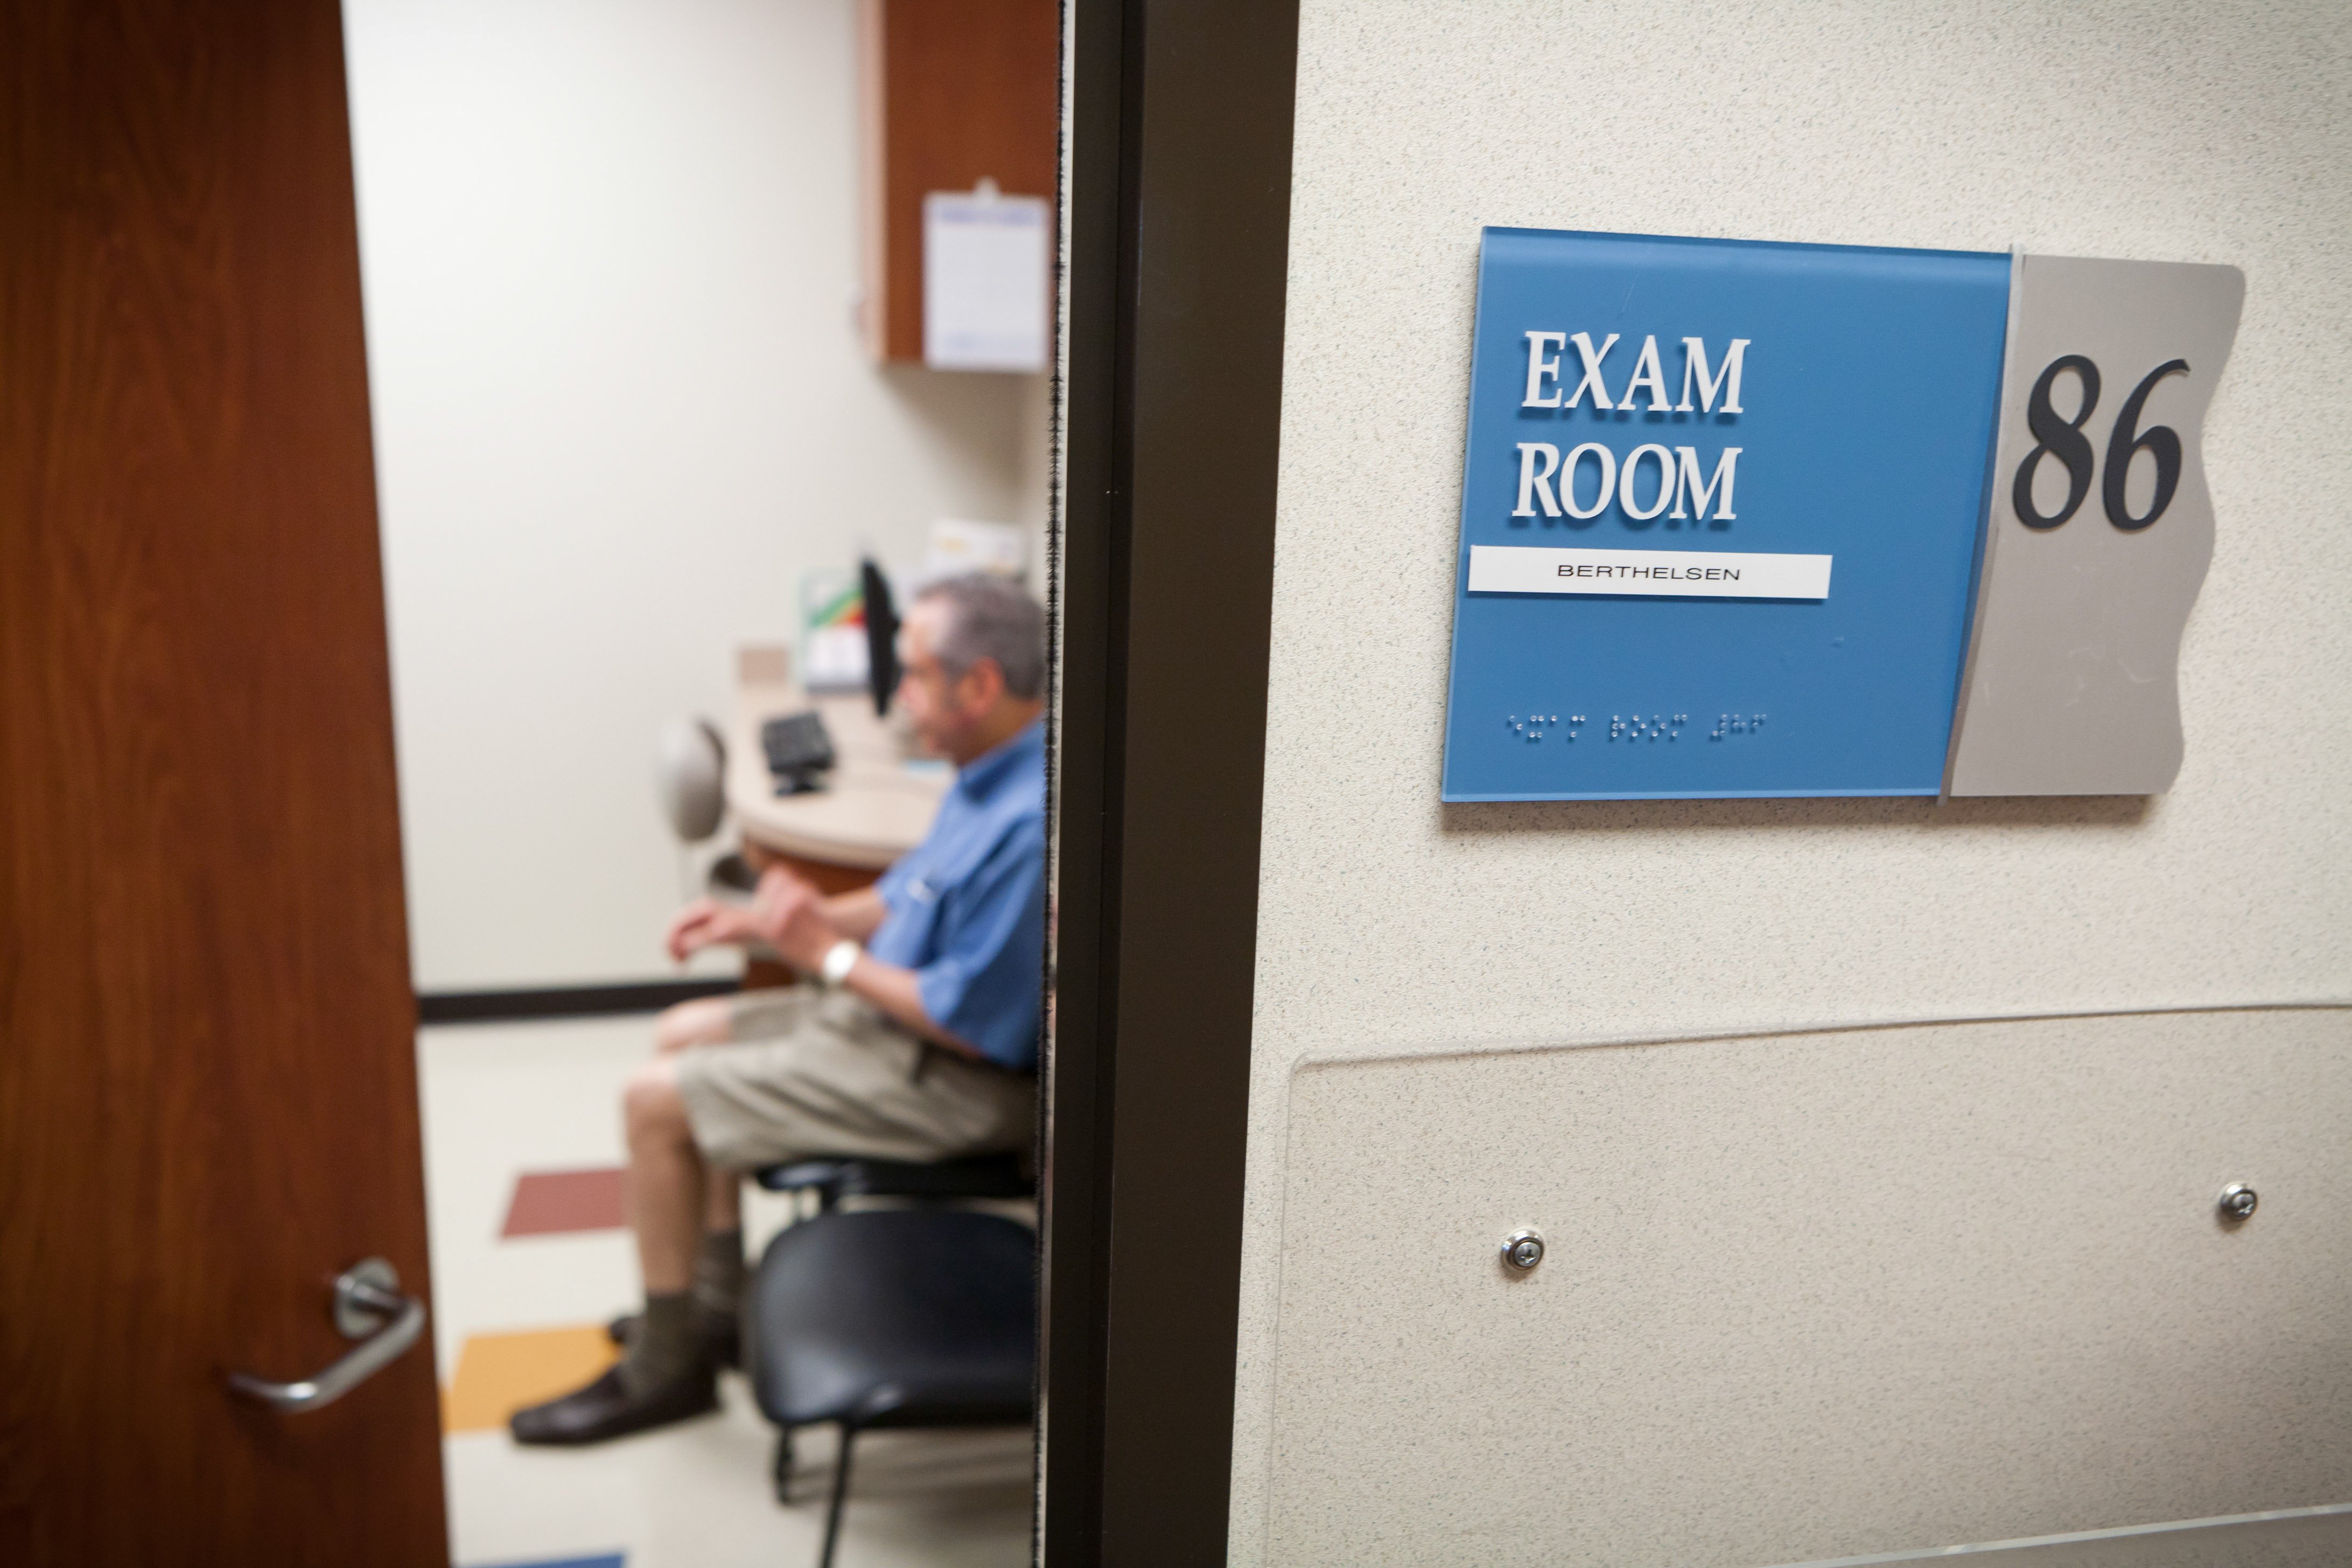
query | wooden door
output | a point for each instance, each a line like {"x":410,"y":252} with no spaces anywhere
{"x":208,"y":1096}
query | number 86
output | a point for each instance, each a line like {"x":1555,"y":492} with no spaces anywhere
{"x":2064,"y":440}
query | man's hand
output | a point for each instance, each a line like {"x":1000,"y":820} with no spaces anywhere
{"x":789,"y":916}
{"x":785,"y":913}
{"x":706,"y":922}
{"x":802,"y":925}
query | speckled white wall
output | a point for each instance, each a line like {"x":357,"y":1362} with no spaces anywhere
{"x":1390,"y":924}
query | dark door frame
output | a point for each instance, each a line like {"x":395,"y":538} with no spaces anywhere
{"x":1176,"y":177}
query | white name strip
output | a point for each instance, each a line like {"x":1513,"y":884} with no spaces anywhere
{"x":1682,"y":574}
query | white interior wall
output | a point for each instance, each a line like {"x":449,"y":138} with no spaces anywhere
{"x":610,"y":259}
{"x":1391,"y":925}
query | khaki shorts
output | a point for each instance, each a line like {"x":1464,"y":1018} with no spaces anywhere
{"x":808,"y":1072}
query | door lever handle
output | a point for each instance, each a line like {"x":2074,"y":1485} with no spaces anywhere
{"x":369,"y":1308}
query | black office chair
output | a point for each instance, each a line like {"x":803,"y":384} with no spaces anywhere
{"x":834,"y":1177}
{"x":922,"y":1316}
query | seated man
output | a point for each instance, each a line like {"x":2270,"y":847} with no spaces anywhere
{"x":919,"y":1045}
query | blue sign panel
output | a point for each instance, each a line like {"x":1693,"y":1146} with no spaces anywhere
{"x":1720,"y":510}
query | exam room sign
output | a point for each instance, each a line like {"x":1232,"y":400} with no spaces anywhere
{"x":1730,"y":511}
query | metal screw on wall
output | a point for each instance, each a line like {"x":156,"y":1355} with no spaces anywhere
{"x":1522,"y":1251}
{"x":2237,"y":1200}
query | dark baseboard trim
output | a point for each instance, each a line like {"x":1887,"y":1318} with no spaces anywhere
{"x":563,"y":1001}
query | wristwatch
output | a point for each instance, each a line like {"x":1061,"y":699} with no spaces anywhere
{"x":839,"y":960}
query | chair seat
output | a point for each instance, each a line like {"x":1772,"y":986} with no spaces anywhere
{"x":838,"y":1176}
{"x":916,"y":1317}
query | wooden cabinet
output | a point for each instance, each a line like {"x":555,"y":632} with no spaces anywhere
{"x":954,"y":91}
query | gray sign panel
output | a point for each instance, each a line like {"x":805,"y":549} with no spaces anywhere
{"x":2100,"y":526}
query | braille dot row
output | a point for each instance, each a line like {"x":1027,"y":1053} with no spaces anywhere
{"x":1655,"y":726}
{"x":1532,"y":726}
{"x":1735,"y":724}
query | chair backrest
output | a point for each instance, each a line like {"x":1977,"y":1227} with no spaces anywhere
{"x":689,"y":776}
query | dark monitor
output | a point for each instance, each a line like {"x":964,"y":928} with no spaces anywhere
{"x":881,"y":635}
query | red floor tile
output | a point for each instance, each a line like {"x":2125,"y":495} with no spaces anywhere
{"x":549,"y":1203}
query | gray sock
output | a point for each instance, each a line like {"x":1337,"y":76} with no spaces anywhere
{"x":718,"y":1273}
{"x":666,"y":1349}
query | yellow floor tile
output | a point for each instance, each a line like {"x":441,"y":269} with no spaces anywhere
{"x":499,"y":1375}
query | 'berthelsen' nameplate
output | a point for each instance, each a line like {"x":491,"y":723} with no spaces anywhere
{"x":1713,"y":575}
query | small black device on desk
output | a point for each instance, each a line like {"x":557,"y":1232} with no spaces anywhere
{"x":799,"y":751}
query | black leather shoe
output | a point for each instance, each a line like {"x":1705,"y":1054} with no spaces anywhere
{"x":607,"y":1409}
{"x":722,"y":1338}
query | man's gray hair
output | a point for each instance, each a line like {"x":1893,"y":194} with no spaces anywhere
{"x":991,"y":618}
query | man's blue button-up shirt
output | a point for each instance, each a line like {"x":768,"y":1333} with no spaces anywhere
{"x":967,"y":904}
